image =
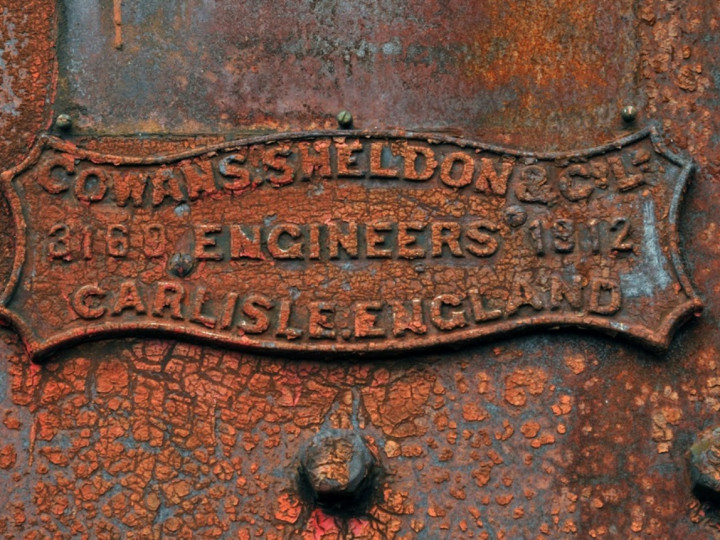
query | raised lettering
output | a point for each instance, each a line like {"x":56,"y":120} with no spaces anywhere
{"x":86,"y":304}
{"x":348,"y":240}
{"x":165,"y":185}
{"x":233,"y":167}
{"x":168,"y":295}
{"x":482,"y":243}
{"x":255,"y":307}
{"x":291,"y":250}
{"x":446,"y":233}
{"x":625,"y":181}
{"x":117,"y":240}
{"x":574,"y":183}
{"x":446,"y":319}
{"x":563,"y":291}
{"x":54,"y":177}
{"x":205,"y":245}
{"x":406,"y":242}
{"x":605,"y":296}
{"x":419,"y":162}
{"x":489,"y":180}
{"x":198,"y":307}
{"x":375,"y":238}
{"x":285,"y":329}
{"x":91,"y":185}
{"x":457,"y":170}
{"x":153,"y":240}
{"x":314,"y":159}
{"x":563,"y":235}
{"x":198,"y":178}
{"x":130,"y":186}
{"x":128,"y":297}
{"x":408,"y":316}
{"x":345,"y":241}
{"x":376,"y":162}
{"x":59,"y":245}
{"x":228,"y":313}
{"x":243,"y":246}
{"x":479,"y":309}
{"x":622,"y":241}
{"x":523,"y":293}
{"x":347,"y":164}
{"x":276,"y":159}
{"x":366,"y":319}
{"x":321,"y":320}
{"x":533,"y":186}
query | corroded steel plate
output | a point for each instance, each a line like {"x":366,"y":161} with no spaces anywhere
{"x":347,"y":241}
{"x":198,"y":67}
{"x":564,"y":434}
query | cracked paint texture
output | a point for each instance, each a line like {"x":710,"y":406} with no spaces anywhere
{"x":549,"y":435}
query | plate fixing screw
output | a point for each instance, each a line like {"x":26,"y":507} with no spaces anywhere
{"x":629,"y":114}
{"x":63,"y":122}
{"x":181,"y":264}
{"x":345,"y":119}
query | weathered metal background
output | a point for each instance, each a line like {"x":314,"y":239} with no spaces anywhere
{"x":539,"y":72}
{"x":559,"y":435}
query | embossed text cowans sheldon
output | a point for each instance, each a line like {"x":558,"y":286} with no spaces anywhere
{"x":322,"y":242}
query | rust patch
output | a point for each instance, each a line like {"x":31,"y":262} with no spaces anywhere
{"x":347,"y":242}
{"x":485,"y":68}
{"x":117,"y":462}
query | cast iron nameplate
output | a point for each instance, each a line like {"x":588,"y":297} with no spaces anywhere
{"x":331,"y":242}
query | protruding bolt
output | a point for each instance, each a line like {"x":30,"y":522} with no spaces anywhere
{"x":63,"y":122}
{"x":181,"y":264}
{"x":705,"y":462}
{"x":629,"y":114}
{"x":515,"y":215}
{"x":345,"y":119}
{"x":338,"y":470}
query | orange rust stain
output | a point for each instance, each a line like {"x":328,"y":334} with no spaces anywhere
{"x":117,"y":24}
{"x":549,"y":54}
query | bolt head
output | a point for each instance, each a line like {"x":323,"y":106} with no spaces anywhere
{"x":181,"y":264}
{"x":63,"y":121}
{"x":345,"y":119}
{"x":629,"y":114}
{"x":337,"y":467}
{"x":515,"y":215}
{"x":705,"y":460}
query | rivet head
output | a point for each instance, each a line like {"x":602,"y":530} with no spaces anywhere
{"x":181,"y":264}
{"x":515,"y":215}
{"x":705,"y":461}
{"x":345,"y":119}
{"x":337,"y":468}
{"x":63,"y":121}
{"x":629,"y":114}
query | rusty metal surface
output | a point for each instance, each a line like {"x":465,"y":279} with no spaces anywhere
{"x":561,"y":435}
{"x":479,"y":68}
